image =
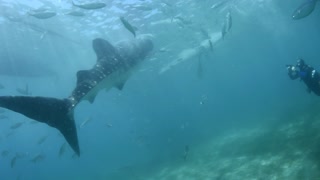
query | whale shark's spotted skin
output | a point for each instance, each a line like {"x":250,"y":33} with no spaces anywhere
{"x":113,"y":67}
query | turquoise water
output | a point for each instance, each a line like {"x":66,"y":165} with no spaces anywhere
{"x":231,"y":103}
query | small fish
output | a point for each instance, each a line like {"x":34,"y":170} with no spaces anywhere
{"x":39,"y":10}
{"x":128,"y":26}
{"x":75,"y":13}
{"x":304,"y":10}
{"x":226,"y":25}
{"x":25,"y":91}
{"x":90,"y":6}
{"x":13,"y":161}
{"x":62,"y":149}
{"x":10,"y":134}
{"x":210,"y":45}
{"x":4,"y":153}
{"x":42,"y":37}
{"x":38,"y":158}
{"x":180,"y":24}
{"x":22,"y":155}
{"x":43,"y":15}
{"x":16,"y":157}
{"x":163,"y":50}
{"x":183,"y":20}
{"x":143,"y":8}
{"x":109,"y":125}
{"x":167,"y":3}
{"x":186,"y":152}
{"x":204,"y":98}
{"x":205,"y":33}
{"x":16,"y":125}
{"x":42,"y":139}
{"x":229,"y":21}
{"x":140,"y":140}
{"x":74,"y":156}
{"x":219,"y":4}
{"x":84,"y":123}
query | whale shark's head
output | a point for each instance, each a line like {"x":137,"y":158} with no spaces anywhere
{"x":135,"y":50}
{"x":145,"y":45}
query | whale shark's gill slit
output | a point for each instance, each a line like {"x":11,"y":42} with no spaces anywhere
{"x":57,"y":113}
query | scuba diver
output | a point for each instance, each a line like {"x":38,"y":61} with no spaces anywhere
{"x":307,"y":74}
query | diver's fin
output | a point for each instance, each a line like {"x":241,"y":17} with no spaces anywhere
{"x":57,"y":113}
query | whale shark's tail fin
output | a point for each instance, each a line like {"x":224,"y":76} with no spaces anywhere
{"x":57,"y":113}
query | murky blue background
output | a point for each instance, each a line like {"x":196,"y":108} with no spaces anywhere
{"x":148,"y":124}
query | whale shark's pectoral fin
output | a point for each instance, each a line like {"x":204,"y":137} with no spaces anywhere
{"x":120,"y":85}
{"x":91,"y":98}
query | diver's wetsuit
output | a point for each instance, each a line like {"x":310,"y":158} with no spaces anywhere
{"x":309,"y":76}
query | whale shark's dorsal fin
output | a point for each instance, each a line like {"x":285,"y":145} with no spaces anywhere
{"x":103,"y":49}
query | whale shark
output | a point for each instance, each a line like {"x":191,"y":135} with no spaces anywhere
{"x":113,"y":67}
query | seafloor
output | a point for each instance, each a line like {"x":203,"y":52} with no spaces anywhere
{"x":289,"y":148}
